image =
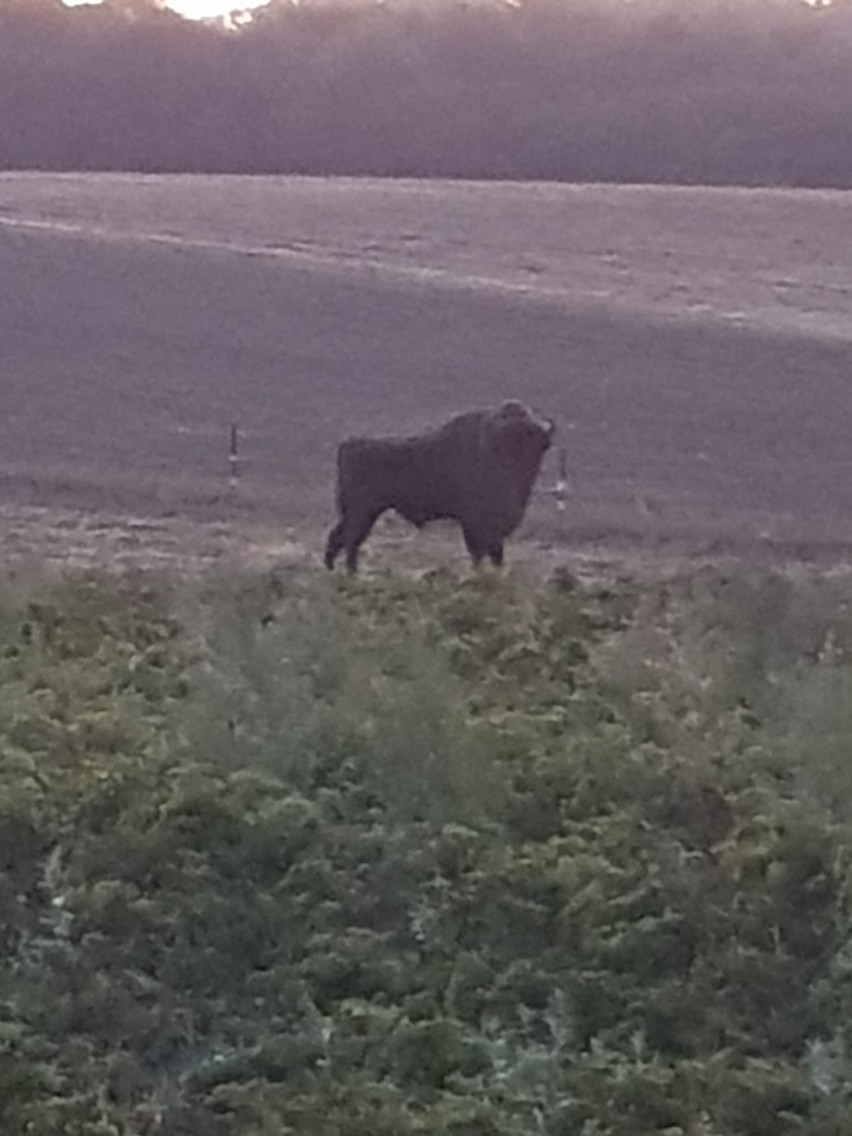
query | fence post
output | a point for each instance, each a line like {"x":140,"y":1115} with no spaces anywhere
{"x":561,"y":487}
{"x":233,"y":455}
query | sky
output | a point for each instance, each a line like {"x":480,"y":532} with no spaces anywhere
{"x":205,"y":9}
{"x":199,"y":9}
{"x":195,"y":9}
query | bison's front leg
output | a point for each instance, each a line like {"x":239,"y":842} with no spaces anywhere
{"x":473,"y":542}
{"x":480,"y":544}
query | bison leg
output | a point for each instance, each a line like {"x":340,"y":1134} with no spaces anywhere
{"x":495,"y":553}
{"x":334,"y":544}
{"x":349,"y":534}
{"x":354,"y":533}
{"x":474,"y":544}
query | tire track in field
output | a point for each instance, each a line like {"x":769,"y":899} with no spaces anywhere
{"x":373,"y":269}
{"x":340,"y":261}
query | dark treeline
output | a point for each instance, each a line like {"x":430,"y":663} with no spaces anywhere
{"x":718,"y":91}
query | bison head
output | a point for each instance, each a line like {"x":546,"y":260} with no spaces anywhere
{"x":515,"y":433}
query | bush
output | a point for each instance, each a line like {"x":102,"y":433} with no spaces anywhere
{"x":422,"y":855}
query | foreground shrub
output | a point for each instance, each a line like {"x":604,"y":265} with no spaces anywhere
{"x":444,"y":855}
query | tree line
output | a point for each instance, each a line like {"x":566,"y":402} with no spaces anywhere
{"x":695,"y":91}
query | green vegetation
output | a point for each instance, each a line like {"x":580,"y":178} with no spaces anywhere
{"x":443,"y":854}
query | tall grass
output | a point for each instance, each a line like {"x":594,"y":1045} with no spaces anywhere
{"x":308,"y":677}
{"x":745,"y":658}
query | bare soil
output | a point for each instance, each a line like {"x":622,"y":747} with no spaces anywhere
{"x":694,"y":347}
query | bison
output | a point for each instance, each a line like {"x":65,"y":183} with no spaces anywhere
{"x":478,"y":469}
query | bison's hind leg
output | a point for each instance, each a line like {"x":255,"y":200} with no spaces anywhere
{"x":334,"y":544}
{"x":350,"y":533}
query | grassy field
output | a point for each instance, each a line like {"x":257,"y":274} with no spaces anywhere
{"x":692,"y":343}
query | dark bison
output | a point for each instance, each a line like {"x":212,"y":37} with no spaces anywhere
{"x":477,"y":469}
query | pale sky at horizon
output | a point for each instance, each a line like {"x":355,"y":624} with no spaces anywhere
{"x":201,"y":9}
{"x":209,"y":9}
{"x":193,"y":9}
